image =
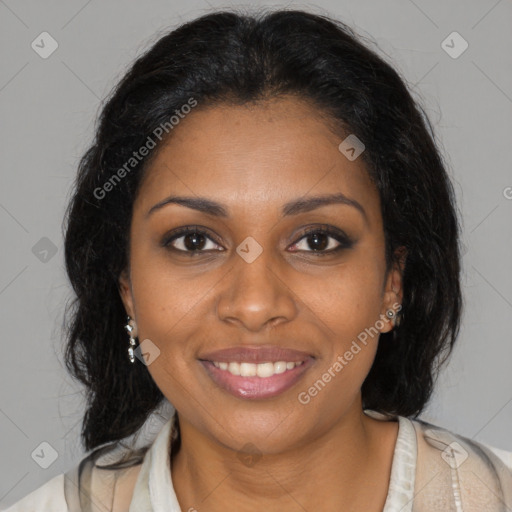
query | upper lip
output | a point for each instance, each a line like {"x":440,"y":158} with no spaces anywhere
{"x":256,"y":355}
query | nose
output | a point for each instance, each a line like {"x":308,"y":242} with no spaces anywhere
{"x":256,"y":295}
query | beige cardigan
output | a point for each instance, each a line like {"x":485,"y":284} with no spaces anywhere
{"x":433,"y":470}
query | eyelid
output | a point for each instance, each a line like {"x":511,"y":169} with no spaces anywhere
{"x":344,"y":240}
{"x":324,"y":228}
{"x":177,"y":233}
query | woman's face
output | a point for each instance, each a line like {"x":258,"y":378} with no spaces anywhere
{"x":252,"y":279}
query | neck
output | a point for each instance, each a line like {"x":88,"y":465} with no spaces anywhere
{"x":340,"y":463}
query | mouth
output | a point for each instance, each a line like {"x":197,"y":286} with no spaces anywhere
{"x":257,"y":380}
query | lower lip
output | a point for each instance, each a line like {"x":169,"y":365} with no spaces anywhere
{"x":256,"y":387}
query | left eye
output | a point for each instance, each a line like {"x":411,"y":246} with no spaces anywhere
{"x":319,"y":240}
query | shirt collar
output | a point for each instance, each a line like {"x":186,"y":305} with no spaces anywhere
{"x":154,"y":491}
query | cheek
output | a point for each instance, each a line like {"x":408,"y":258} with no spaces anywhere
{"x":351,"y":344}
{"x":348,"y":299}
{"x":167,"y":308}
{"x":167,"y":296}
{"x":347,"y":307}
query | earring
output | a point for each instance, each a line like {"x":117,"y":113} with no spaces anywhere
{"x":390,"y":313}
{"x":129,"y":329}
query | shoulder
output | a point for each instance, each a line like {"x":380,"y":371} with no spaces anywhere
{"x":504,"y":455}
{"x":453,"y":444}
{"x":83,"y":486}
{"x":452,"y":468}
{"x":49,"y":496}
{"x":92,"y":485}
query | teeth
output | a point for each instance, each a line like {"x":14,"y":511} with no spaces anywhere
{"x":252,"y":370}
{"x":249,"y":370}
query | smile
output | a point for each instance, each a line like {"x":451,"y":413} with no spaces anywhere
{"x":262,"y":370}
{"x":256,"y":381}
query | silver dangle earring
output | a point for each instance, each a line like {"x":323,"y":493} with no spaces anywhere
{"x":129,"y":329}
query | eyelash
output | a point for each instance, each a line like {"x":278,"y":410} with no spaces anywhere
{"x":345,"y":241}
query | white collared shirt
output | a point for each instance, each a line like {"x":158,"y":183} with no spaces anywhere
{"x":154,"y":491}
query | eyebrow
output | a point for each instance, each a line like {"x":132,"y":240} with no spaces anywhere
{"x":211,"y":207}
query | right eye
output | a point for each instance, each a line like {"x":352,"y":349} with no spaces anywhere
{"x":190,"y":239}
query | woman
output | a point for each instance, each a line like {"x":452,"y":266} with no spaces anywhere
{"x":265,"y":211}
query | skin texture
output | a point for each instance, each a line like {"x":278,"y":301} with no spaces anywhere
{"x":253,"y":159}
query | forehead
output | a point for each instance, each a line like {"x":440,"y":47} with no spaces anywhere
{"x":253,"y":155}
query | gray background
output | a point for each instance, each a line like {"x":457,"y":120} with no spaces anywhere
{"x":48,"y":107}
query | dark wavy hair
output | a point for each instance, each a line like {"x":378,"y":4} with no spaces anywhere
{"x":230,"y":57}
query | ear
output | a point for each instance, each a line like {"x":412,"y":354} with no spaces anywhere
{"x":393,"y":290}
{"x":125,"y":290}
